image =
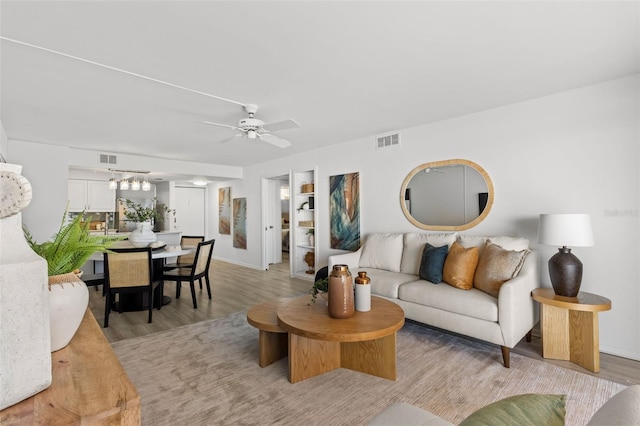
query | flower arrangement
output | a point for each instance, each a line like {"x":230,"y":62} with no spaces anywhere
{"x":136,"y":212}
{"x":71,"y":246}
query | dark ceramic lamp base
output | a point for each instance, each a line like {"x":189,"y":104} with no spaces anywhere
{"x":565,"y":270}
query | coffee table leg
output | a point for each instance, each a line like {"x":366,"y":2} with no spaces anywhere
{"x":376,"y":357}
{"x":309,"y":357}
{"x":272,"y":347}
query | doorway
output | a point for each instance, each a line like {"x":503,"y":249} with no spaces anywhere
{"x":275,"y":218}
{"x":190,"y":210}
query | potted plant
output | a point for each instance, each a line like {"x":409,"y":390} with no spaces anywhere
{"x":137,"y":212}
{"x":144,"y":216}
{"x":310,"y":233}
{"x":69,"y":249}
{"x":321,"y":287}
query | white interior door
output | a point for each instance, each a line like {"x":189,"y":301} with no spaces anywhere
{"x":190,"y":207}
{"x":273,"y":228}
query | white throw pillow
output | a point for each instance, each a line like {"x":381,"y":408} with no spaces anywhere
{"x":510,"y":243}
{"x":382,"y":251}
{"x":414,"y":243}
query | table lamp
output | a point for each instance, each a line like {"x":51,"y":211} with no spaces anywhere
{"x":565,"y":269}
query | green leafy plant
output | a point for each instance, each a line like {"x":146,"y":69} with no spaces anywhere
{"x":320,"y":286}
{"x":136,"y":212}
{"x":310,"y":231}
{"x":71,"y":246}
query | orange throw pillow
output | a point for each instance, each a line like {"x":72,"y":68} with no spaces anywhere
{"x":460,"y":266}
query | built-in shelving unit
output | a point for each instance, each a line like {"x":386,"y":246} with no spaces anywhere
{"x":303,"y":224}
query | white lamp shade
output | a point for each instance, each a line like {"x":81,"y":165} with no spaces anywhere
{"x":571,"y":230}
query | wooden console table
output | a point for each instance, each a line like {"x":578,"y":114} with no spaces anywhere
{"x":89,"y":386}
{"x":570,"y":326}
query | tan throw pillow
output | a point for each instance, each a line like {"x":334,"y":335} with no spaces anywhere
{"x":460,"y":266}
{"x":497,"y":265}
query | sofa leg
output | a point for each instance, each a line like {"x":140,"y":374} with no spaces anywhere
{"x":528,"y":337}
{"x":505,"y":356}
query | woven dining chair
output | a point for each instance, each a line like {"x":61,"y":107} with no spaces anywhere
{"x":199,"y":270}
{"x":127,"y":271}
{"x":186,"y":261}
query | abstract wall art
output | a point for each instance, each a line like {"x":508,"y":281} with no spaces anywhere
{"x":224,"y":210}
{"x":240,"y":223}
{"x":344,"y":210}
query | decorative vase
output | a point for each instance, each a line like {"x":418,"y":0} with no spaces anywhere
{"x":68,"y":301}
{"x":363,"y":292}
{"x":25,"y":351}
{"x":340,"y":293}
{"x":143,"y":235}
{"x":311,"y":240}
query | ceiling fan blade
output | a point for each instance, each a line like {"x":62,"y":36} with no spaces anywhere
{"x":220,"y":125}
{"x":281,"y":125}
{"x":232,"y":138}
{"x":274,"y":140}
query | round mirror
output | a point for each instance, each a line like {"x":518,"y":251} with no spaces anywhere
{"x":447,"y":195}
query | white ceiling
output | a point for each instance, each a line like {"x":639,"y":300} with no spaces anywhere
{"x":343,"y":70}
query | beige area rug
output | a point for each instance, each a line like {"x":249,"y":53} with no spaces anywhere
{"x":207,"y":374}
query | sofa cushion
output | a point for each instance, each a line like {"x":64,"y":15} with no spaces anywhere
{"x":472,"y":303}
{"x":402,"y":413}
{"x":432,"y":263}
{"x":507,"y":243}
{"x":382,"y":251}
{"x":496,"y":266}
{"x":527,"y":409}
{"x":460,"y":266}
{"x":385,"y":283}
{"x":622,"y":409}
{"x":414,"y":245}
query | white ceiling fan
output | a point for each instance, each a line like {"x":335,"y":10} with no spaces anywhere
{"x":252,"y":128}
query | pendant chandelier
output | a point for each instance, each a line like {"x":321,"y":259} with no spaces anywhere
{"x":124,"y":184}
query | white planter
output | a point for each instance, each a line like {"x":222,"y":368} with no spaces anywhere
{"x":68,"y":301}
{"x":25,"y":350}
{"x":143,"y":235}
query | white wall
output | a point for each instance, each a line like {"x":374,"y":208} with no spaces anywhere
{"x":4,"y":141}
{"x":45,"y":166}
{"x":573,"y":152}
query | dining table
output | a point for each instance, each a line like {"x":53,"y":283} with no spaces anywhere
{"x":137,"y":301}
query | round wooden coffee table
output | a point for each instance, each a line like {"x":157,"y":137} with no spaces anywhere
{"x":318,"y":343}
{"x":272,"y":340}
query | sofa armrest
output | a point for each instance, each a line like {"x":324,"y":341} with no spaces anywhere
{"x":350,"y":259}
{"x":516,"y":308}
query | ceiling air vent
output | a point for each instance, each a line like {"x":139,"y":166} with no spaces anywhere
{"x":385,"y":141}
{"x":107,"y":159}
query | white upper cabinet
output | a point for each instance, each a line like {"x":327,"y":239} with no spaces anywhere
{"x":91,"y":196}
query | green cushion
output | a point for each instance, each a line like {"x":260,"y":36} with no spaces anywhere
{"x":433,"y":263}
{"x":521,"y":410}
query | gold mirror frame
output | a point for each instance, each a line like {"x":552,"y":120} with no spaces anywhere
{"x":435,"y":164}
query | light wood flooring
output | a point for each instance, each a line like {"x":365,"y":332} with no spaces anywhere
{"x":235,"y":288}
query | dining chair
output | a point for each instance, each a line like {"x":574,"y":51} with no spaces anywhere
{"x":198,"y":270}
{"x":186,"y":260}
{"x":128,"y":271}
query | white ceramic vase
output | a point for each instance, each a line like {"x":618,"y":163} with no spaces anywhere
{"x":143,"y":235}
{"x":68,"y":301}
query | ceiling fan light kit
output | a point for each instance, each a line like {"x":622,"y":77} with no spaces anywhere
{"x":252,"y":128}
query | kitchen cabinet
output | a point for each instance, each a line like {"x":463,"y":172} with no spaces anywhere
{"x":303,"y":225}
{"x":90,"y":196}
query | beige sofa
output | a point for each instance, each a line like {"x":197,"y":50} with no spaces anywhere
{"x":393,"y":262}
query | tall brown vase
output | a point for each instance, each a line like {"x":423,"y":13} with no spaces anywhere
{"x":340,"y":293}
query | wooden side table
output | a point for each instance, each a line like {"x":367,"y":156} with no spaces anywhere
{"x":89,"y":387}
{"x":570,"y":326}
{"x":272,"y":341}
